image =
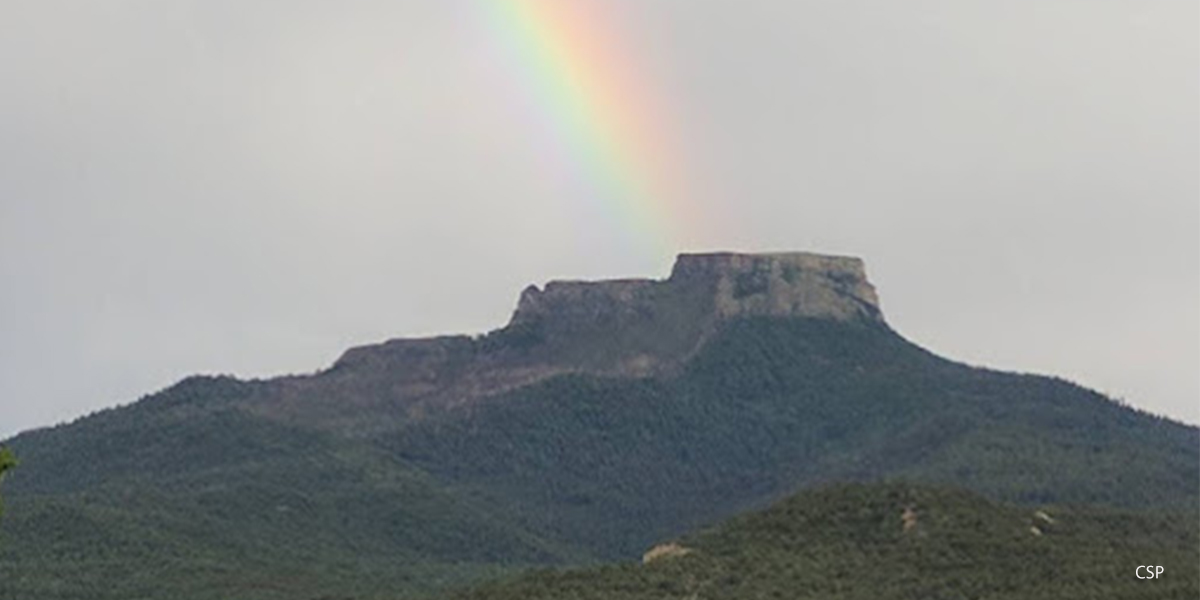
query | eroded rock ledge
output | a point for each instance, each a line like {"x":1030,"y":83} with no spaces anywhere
{"x":634,"y":326}
{"x":778,"y":285}
{"x":626,"y":327}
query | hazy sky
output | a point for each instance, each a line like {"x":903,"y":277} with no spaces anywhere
{"x":250,"y":187}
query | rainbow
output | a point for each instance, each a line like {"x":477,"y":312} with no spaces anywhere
{"x":608,"y":136}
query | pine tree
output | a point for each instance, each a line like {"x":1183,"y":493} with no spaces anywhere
{"x":7,"y":461}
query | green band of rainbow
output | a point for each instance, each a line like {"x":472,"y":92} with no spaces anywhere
{"x":603,"y":116}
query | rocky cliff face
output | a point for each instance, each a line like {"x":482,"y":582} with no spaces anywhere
{"x":793,"y":284}
{"x":628,"y":328}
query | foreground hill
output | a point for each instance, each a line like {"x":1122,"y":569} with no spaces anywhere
{"x":881,"y":542}
{"x":604,"y":417}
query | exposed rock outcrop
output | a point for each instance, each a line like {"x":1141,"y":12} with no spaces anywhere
{"x":663,"y":551}
{"x":626,"y":327}
{"x":795,"y":284}
{"x":778,"y":285}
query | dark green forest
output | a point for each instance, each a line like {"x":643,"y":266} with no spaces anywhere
{"x":772,"y":406}
{"x":196,"y":492}
{"x":898,"y":541}
{"x":262,"y":512}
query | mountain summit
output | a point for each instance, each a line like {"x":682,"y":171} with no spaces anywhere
{"x":622,"y":327}
{"x":605,"y":416}
{"x":793,"y":284}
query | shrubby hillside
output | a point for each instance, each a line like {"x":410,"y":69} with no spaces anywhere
{"x":896,"y":541}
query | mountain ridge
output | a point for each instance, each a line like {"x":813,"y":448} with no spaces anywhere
{"x":610,"y":328}
{"x":705,"y":288}
{"x":427,"y":450}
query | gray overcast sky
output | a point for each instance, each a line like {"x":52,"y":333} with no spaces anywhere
{"x":250,"y":187}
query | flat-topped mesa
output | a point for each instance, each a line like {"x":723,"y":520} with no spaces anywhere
{"x":623,"y":328}
{"x":794,"y":284}
{"x":626,"y":325}
{"x":786,"y":284}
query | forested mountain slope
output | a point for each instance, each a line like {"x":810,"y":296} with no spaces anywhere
{"x":887,"y":542}
{"x":603,"y":418}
